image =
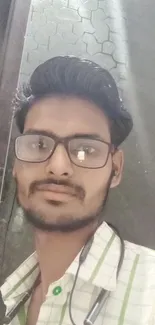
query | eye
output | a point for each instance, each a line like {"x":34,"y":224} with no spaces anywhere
{"x":42,"y":144}
{"x":84,"y":151}
{"x":87,"y":150}
{"x":39,"y":144}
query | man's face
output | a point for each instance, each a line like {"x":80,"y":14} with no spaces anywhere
{"x":44,"y":201}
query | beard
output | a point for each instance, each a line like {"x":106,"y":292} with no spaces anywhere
{"x":67,"y":223}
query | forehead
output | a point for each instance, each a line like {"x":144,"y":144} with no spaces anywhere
{"x":66,"y":116}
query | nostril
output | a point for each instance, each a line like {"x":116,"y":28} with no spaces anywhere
{"x":63,"y":174}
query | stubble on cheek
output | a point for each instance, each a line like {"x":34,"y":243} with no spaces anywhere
{"x":23,"y":196}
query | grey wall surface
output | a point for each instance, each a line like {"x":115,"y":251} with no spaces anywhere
{"x":10,"y":59}
{"x":121,"y":39}
{"x":4,"y":12}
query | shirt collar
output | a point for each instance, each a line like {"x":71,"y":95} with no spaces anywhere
{"x":99,"y":268}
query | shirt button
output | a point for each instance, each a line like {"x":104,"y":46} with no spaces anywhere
{"x":57,"y":291}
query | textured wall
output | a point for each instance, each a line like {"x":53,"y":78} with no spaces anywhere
{"x":93,"y":29}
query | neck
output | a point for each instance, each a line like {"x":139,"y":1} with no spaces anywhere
{"x":56,"y":251}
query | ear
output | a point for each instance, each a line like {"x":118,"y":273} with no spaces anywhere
{"x":118,"y":164}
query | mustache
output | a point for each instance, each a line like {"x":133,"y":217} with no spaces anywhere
{"x":78,"y":190}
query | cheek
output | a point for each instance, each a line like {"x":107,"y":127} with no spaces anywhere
{"x":24,"y":174}
{"x":95,"y":182}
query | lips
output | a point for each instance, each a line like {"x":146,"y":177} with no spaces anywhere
{"x":54,"y":188}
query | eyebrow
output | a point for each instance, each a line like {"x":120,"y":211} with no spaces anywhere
{"x":94,"y":136}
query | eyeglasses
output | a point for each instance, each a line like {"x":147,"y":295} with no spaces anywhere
{"x":83,"y":151}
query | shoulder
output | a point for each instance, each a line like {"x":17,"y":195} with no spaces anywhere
{"x":140,"y":250}
{"x":142,"y":260}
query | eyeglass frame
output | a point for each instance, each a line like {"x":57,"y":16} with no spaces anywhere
{"x":65,"y":141}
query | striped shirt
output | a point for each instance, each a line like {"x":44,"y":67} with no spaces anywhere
{"x":132,"y":295}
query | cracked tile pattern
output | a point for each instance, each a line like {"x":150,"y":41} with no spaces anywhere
{"x":94,"y":29}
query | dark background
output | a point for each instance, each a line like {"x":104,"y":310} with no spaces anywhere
{"x":131,"y":208}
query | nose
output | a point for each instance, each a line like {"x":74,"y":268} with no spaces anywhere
{"x":59,"y":163}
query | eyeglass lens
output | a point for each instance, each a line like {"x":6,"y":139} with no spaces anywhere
{"x":84,"y":152}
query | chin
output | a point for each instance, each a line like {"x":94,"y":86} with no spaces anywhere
{"x":60,"y":223}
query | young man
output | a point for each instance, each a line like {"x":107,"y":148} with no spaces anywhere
{"x":72,"y":122}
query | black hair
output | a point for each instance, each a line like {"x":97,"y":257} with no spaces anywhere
{"x":72,"y":76}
